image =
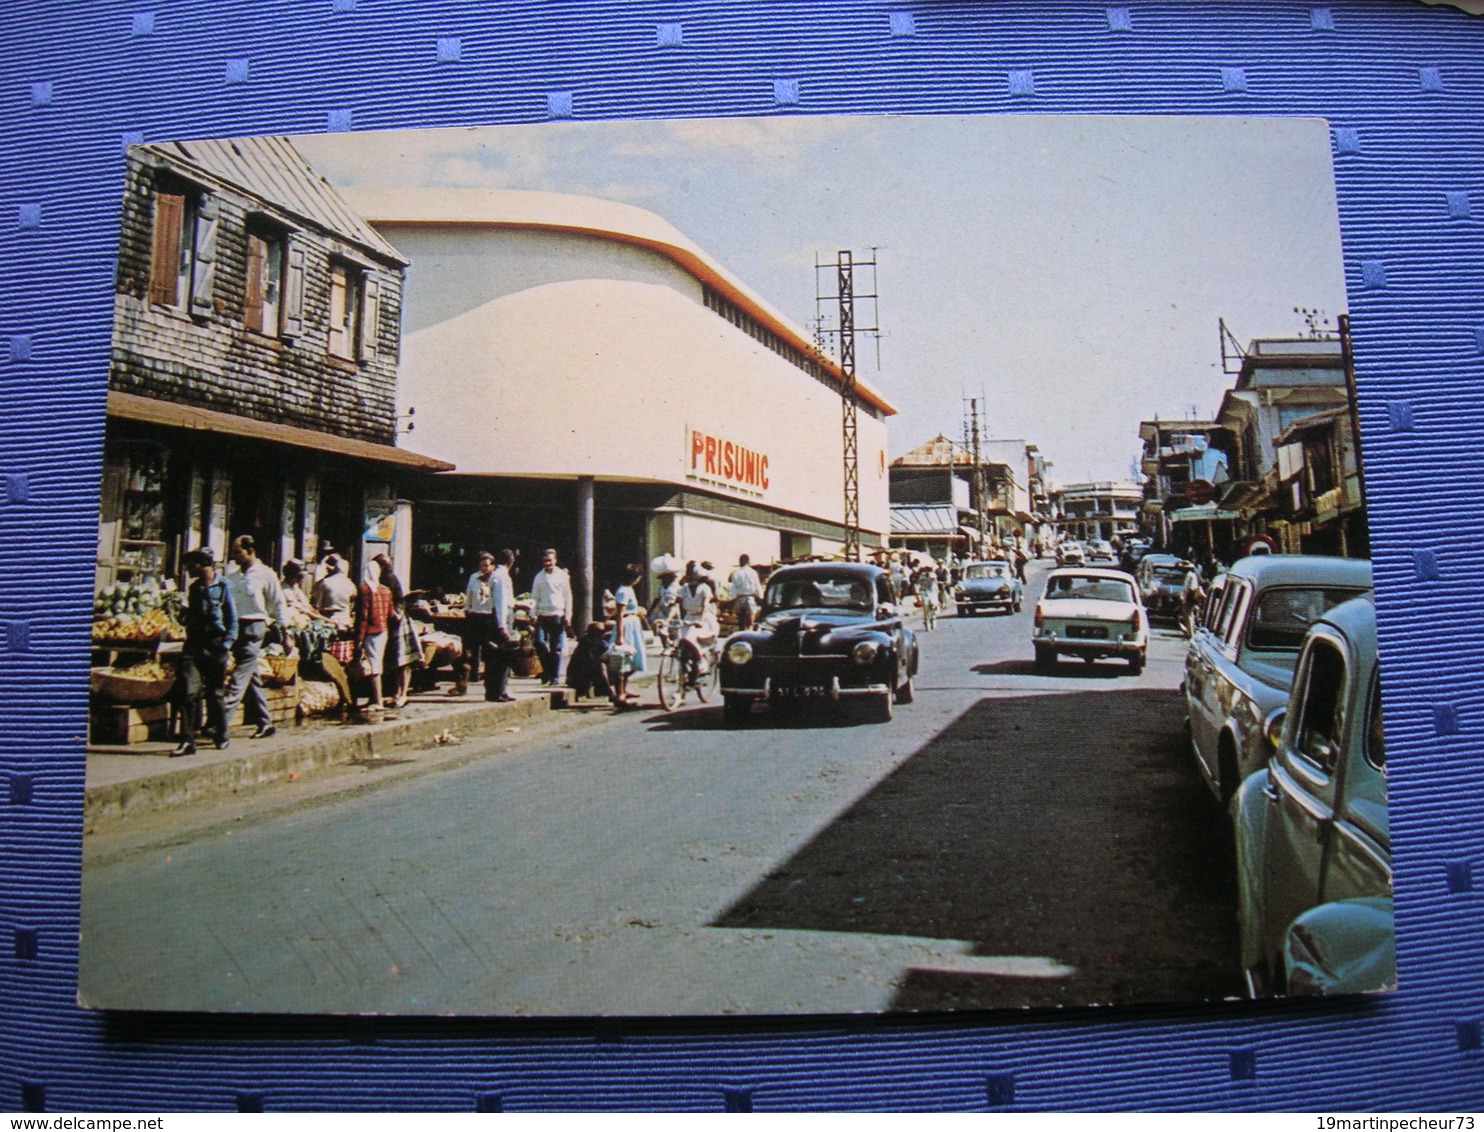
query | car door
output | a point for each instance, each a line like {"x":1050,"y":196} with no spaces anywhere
{"x":1204,"y":674}
{"x":885,"y":598}
{"x":1302,"y":784}
{"x":1357,"y":859}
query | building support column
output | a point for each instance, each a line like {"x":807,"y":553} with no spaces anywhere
{"x":585,"y":575}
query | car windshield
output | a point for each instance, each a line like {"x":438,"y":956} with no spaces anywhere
{"x":1089,"y":588}
{"x":1168,"y":574}
{"x":819,"y":592}
{"x":1283,"y":615}
{"x":986,"y":570}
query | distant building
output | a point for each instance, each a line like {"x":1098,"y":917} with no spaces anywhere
{"x":929,"y":477}
{"x":1178,"y":453}
{"x":1103,"y":510}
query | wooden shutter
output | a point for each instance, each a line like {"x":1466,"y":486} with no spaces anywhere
{"x":293,"y":290}
{"x":165,"y":259}
{"x":203,"y":278}
{"x":370,"y":326}
{"x":252,"y":313}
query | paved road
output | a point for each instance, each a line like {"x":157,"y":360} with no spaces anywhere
{"x":1011,"y":839}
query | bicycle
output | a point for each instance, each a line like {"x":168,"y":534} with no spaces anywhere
{"x":677,"y":676}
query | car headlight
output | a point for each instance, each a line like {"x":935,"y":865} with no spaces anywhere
{"x":865,"y":652}
{"x":739,"y":653}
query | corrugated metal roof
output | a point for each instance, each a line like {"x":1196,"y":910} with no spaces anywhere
{"x":273,"y":170}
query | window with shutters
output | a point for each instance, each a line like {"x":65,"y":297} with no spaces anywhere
{"x":355,"y":315}
{"x":263,"y":308}
{"x":183,"y":257}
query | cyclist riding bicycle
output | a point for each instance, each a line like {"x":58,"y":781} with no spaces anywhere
{"x":699,"y":627}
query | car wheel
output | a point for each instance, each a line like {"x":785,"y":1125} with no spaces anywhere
{"x":736,"y":710}
{"x":907,"y":692}
{"x":1045,"y":658}
{"x":1136,"y":663}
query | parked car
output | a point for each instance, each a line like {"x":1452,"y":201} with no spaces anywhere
{"x":1069,"y":554}
{"x":828,"y":630}
{"x":1162,"y":584}
{"x":1099,"y":550}
{"x":987,"y":586}
{"x":1239,"y":666}
{"x":1313,"y":840}
{"x":1091,"y":613}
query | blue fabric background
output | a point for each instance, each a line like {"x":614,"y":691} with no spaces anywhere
{"x":1402,"y":85}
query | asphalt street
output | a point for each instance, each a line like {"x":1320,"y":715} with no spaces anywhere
{"x":1010,"y":839}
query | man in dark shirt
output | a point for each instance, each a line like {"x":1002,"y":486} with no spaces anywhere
{"x":211,"y":628}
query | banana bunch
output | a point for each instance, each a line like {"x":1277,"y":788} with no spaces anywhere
{"x":157,"y":624}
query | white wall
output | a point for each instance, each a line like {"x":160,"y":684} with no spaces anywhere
{"x":607,"y":377}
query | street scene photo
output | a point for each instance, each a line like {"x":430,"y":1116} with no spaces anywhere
{"x":797,"y":565}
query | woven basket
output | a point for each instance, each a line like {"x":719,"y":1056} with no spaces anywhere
{"x":113,"y":688}
{"x":278,"y":670}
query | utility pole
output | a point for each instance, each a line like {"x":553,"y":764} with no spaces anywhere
{"x":846,"y":327}
{"x":979,"y":488}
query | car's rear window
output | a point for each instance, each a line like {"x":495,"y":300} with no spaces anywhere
{"x":1094,"y":589}
{"x":1283,"y":614}
{"x":819,"y":593}
{"x":1169,"y":573}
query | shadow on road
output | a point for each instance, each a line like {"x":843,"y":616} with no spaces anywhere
{"x":814,"y":714}
{"x":1060,"y":828}
{"x":1067,"y":669}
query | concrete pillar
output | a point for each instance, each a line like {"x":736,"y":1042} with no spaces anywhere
{"x":585,"y":579}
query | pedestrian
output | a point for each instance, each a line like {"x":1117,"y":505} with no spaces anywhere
{"x":625,"y":656}
{"x":928,"y":597}
{"x":587,"y":673}
{"x":335,"y":599}
{"x":699,"y":624}
{"x":403,"y":648}
{"x":476,"y":629}
{"x":321,"y":563}
{"x":501,"y":642}
{"x":551,"y":603}
{"x":371,"y":630}
{"x":747,"y":589}
{"x":1192,"y":597}
{"x":258,"y":600}
{"x":1020,"y":561}
{"x":210,"y":631}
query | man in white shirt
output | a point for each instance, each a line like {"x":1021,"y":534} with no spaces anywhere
{"x":479,"y":602}
{"x":551,"y":603}
{"x":746,"y":589}
{"x":259,"y":603}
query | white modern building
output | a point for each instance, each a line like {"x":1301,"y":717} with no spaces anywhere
{"x":599,"y":380}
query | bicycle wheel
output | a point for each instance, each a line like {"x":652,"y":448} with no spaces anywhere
{"x":671,"y":680}
{"x":708,"y":685}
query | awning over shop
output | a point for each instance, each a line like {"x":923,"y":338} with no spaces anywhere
{"x":1304,"y":426}
{"x":924,"y":522}
{"x":148,"y":410}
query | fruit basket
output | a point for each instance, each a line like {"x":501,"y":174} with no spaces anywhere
{"x":124,"y":686}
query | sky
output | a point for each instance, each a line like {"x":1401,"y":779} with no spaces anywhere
{"x":1069,"y":271}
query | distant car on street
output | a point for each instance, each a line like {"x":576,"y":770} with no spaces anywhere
{"x":1162,"y":584}
{"x":827,"y":630}
{"x":1314,"y":900}
{"x":1070,"y":554}
{"x":1099,"y":550}
{"x":1239,"y":666}
{"x":1091,"y":613}
{"x":988,"y":586}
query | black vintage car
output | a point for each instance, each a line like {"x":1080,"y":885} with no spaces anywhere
{"x":828,"y":630}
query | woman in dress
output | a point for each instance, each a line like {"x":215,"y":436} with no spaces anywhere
{"x":626,"y":654}
{"x":403,"y":647}
{"x":371,"y":631}
{"x":698,"y":619}
{"x":927,"y":595}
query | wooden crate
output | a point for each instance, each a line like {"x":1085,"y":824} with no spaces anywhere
{"x":283,"y":704}
{"x":121,"y":724}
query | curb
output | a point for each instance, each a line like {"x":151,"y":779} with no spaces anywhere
{"x":331,"y":746}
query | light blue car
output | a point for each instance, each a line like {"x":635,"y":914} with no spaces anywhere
{"x":1313,"y":841}
{"x":988,"y":586}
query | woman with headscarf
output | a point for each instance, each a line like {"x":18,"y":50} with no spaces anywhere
{"x":403,"y":647}
{"x":625,"y":656}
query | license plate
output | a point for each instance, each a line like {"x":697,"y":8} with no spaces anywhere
{"x":1088,"y":632}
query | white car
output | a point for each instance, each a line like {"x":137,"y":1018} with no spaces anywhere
{"x":1091,"y":613}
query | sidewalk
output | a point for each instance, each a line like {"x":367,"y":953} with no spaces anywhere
{"x":143,"y":778}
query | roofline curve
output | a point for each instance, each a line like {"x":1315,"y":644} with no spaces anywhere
{"x":602,"y":219}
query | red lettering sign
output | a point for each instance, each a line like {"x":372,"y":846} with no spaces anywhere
{"x":728,"y":461}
